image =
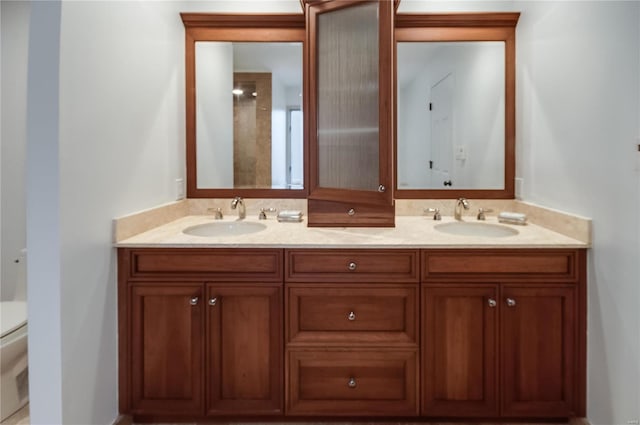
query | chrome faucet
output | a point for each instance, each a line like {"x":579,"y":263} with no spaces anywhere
{"x":242,"y":212}
{"x":457,"y":211}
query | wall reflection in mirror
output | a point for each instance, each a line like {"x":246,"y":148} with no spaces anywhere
{"x":249,"y":131}
{"x":451,"y":115}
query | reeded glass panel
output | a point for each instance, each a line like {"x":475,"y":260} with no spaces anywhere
{"x":348,"y":125}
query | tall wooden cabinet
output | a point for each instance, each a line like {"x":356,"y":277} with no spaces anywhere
{"x":349,"y":99}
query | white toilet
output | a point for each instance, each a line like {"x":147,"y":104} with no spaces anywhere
{"x":14,"y":378}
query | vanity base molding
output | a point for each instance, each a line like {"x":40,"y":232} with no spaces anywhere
{"x":213,"y":334}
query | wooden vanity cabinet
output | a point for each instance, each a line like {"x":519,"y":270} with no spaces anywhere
{"x":352,"y":339}
{"x":503,"y":333}
{"x":200,"y":332}
{"x":482,"y":333}
{"x":166,"y":341}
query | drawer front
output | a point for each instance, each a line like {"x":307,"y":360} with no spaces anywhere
{"x":210,"y":264}
{"x":325,"y":315}
{"x":350,"y":383}
{"x":335,"y":265}
{"x":522,"y":264}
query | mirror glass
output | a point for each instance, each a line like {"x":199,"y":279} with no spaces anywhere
{"x":249,"y":131}
{"x":451,"y":115}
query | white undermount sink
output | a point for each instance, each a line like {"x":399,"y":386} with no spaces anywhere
{"x":469,"y":228}
{"x":224,"y":228}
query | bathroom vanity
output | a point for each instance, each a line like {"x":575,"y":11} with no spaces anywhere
{"x":394,"y":315}
{"x":351,"y":322}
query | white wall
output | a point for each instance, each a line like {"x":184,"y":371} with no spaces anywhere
{"x":121,"y":145}
{"x":577,"y":118}
{"x":43,"y":208}
{"x":214,"y":114}
{"x":122,"y":137}
{"x":15,"y":39}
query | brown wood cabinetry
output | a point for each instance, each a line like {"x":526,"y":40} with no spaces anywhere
{"x":192,"y":341}
{"x":500,"y":340}
{"x":244,"y":328}
{"x":349,"y":123}
{"x":459,"y":350}
{"x":352,"y":341}
{"x":482,"y":333}
{"x":166,"y":349}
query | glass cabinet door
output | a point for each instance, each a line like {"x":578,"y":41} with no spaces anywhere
{"x":350,"y":123}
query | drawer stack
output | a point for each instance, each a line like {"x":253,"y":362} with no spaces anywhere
{"x":352,"y":332}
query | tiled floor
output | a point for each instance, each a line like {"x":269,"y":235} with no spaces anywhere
{"x":21,"y":417}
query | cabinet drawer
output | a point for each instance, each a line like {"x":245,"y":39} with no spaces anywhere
{"x":334,"y":265}
{"x":210,"y":264}
{"x":349,"y":383}
{"x":521,"y":264}
{"x":331,"y":314}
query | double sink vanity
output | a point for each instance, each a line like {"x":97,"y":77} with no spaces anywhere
{"x":261,"y":318}
{"x":361,"y":118}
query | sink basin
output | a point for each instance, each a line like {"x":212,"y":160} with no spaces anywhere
{"x":466,"y":228}
{"x":224,"y":228}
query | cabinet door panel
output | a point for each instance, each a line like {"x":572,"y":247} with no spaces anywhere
{"x":245,"y":356}
{"x":350,"y":98}
{"x":538,"y":349}
{"x":459,"y":350}
{"x":166,"y":346}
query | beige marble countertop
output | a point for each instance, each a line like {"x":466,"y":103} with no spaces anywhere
{"x":410,"y":232}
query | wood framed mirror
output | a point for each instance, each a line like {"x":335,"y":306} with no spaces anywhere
{"x":455,"y":105}
{"x":244,"y":117}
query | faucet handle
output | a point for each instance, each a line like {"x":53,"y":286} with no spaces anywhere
{"x":435,"y":211}
{"x":217,"y":213}
{"x":263,"y":213}
{"x":481,"y":213}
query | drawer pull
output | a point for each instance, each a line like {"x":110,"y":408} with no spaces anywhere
{"x":352,"y":383}
{"x":351,"y":316}
{"x":213,"y":301}
{"x":351,"y":212}
{"x":492,"y":302}
{"x":352,"y":266}
{"x":511,"y":302}
{"x":193,"y":301}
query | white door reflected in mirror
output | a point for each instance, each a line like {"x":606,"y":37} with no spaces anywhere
{"x":451,"y":115}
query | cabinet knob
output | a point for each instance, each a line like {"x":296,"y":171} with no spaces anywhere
{"x":193,"y":300}
{"x":511,"y":302}
{"x":351,"y":316}
{"x":213,"y":301}
{"x":352,"y":266}
{"x":492,"y":302}
{"x":382,"y":188}
{"x":352,"y":383}
{"x":351,"y":212}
